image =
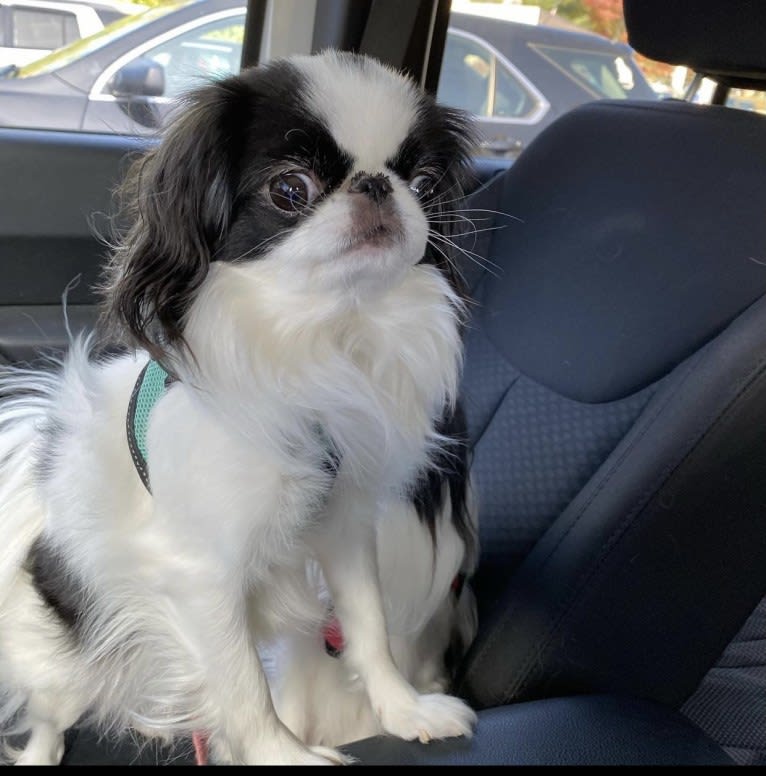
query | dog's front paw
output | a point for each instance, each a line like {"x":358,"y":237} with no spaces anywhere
{"x":45,"y":747}
{"x":428,"y":717}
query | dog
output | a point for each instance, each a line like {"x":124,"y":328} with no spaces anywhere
{"x":280,"y":425}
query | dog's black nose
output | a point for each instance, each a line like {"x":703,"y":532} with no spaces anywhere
{"x":376,"y":187}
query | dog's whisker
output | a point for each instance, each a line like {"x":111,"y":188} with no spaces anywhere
{"x":481,"y":261}
{"x":477,"y":231}
{"x":449,"y":261}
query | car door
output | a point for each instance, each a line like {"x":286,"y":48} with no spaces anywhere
{"x":54,"y":199}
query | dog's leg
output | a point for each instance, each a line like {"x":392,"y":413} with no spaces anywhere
{"x":345,"y":547}
{"x":44,"y":747}
{"x":238,"y":714}
{"x":48,"y":719}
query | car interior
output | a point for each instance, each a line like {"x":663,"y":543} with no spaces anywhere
{"x":614,"y":386}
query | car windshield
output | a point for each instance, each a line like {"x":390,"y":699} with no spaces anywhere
{"x":74,"y":51}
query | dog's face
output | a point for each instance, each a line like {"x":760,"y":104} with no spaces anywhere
{"x":330,"y":170}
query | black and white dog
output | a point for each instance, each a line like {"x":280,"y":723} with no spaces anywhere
{"x":290,"y":399}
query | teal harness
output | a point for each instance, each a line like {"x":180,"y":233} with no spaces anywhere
{"x":149,"y":389}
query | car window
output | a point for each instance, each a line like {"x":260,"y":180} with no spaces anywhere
{"x":464,"y":81}
{"x":473,"y":78}
{"x":42,"y":29}
{"x":107,"y":16}
{"x":519,"y":65}
{"x":212,"y":50}
{"x":511,"y":99}
{"x":603,"y":74}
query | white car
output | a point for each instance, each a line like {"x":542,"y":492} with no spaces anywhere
{"x":30,"y":29}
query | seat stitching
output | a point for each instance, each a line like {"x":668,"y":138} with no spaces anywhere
{"x":608,"y":546}
{"x":502,"y":398}
{"x":565,"y":606}
{"x":607,"y":476}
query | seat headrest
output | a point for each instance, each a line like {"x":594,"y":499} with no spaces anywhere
{"x":725,"y":39}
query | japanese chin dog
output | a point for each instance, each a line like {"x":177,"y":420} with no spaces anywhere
{"x":276,"y":454}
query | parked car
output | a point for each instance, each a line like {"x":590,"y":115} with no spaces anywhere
{"x":124,"y":79}
{"x":30,"y":29}
{"x":517,"y":78}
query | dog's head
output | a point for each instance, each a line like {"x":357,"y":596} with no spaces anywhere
{"x":333,"y":169}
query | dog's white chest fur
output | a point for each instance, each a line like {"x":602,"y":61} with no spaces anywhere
{"x":374,"y":376}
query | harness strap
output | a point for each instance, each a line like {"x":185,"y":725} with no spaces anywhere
{"x":149,"y":388}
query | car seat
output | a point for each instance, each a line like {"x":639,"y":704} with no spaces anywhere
{"x":615,"y":388}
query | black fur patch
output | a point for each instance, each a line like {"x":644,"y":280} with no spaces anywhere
{"x":202,"y":196}
{"x":440,"y":145}
{"x":454,"y":653}
{"x":56,"y":585}
{"x":440,"y":141}
{"x":449,"y":467}
{"x":280,"y":130}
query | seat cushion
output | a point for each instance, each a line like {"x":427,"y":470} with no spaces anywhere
{"x":616,"y":395}
{"x":586,"y":730}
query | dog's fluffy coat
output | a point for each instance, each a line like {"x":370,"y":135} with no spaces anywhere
{"x":277,"y":261}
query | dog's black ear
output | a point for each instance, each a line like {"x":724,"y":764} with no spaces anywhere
{"x":452,"y":139}
{"x":175,"y":209}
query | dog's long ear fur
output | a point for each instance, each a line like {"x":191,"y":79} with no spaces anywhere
{"x":453,"y":138}
{"x":175,"y":205}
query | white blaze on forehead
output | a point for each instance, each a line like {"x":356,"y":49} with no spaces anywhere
{"x":368,"y":108}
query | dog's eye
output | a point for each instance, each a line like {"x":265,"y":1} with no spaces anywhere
{"x":422,"y":186}
{"x":293,"y":191}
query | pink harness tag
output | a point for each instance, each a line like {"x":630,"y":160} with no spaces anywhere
{"x":333,"y":638}
{"x":200,"y":748}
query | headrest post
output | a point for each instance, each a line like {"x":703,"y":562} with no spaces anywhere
{"x":720,"y":94}
{"x":693,"y":87}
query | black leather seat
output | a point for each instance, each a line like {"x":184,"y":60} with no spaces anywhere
{"x":615,"y":388}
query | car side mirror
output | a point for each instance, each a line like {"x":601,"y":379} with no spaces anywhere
{"x":143,"y":77}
